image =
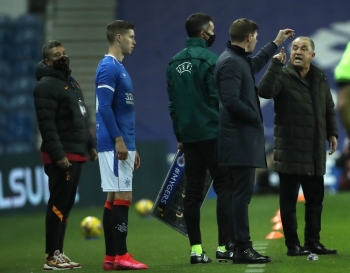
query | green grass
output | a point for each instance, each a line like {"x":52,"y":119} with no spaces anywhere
{"x":164,"y":250}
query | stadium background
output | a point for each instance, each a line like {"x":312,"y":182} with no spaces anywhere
{"x":160,"y":34}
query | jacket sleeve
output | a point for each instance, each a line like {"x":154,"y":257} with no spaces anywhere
{"x":210,"y":80}
{"x":46,"y":104}
{"x":172,"y":108}
{"x":229,"y":80}
{"x":331,"y":122}
{"x":270,"y":84}
{"x":91,"y":142}
{"x":262,"y":57}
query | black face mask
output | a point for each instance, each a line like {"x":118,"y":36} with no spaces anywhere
{"x":61,"y":64}
{"x":210,"y":40}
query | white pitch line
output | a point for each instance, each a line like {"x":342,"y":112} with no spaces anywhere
{"x":254,"y":270}
{"x":257,"y":268}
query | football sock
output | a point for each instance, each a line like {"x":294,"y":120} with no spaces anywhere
{"x":120,"y":215}
{"x":108,"y":229}
{"x":197,"y":248}
{"x":222,"y":248}
{"x":109,"y":259}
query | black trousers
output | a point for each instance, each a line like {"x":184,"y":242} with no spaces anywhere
{"x":313,"y":189}
{"x":63,"y":186}
{"x":200,"y":157}
{"x":242,"y":183}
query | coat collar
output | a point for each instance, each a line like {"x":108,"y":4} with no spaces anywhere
{"x":314,"y":71}
{"x":237,"y":49}
{"x":195,"y":41}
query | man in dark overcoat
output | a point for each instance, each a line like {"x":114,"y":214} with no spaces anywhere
{"x":304,"y":120}
{"x":241,"y":134}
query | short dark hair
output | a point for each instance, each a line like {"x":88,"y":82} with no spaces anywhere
{"x":46,"y":48}
{"x":307,"y":38}
{"x":241,"y":28}
{"x":196,"y":23}
{"x":117,"y":27}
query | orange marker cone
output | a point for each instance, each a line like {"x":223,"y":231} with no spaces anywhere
{"x":274,"y":235}
{"x":301,"y":197}
{"x":276,"y":219}
{"x":278,"y":226}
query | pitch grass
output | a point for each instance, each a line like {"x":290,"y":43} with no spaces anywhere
{"x":164,"y":250}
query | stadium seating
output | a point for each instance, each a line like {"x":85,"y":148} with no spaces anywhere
{"x":21,"y":40}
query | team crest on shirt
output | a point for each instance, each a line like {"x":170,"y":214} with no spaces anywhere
{"x":184,"y":67}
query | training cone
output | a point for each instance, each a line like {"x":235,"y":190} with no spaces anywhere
{"x":301,"y":198}
{"x":277,"y":226}
{"x":276,"y":219}
{"x":274,"y":235}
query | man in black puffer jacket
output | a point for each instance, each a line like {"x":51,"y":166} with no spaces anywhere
{"x":304,"y":120}
{"x":64,"y":127}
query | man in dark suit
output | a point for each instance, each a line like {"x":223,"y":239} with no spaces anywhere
{"x":241,"y":132}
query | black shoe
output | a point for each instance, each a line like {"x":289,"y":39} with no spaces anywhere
{"x":249,"y":256}
{"x":297,"y":250}
{"x":224,"y":256}
{"x":319,"y":249}
{"x":199,"y":258}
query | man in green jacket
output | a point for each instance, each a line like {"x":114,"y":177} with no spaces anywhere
{"x":304,"y":120}
{"x":342,"y":78}
{"x":194,"y":106}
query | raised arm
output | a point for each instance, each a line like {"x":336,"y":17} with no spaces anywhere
{"x":263,"y":56}
{"x":270,"y":85}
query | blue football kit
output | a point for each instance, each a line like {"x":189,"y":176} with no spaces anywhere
{"x":115,"y":113}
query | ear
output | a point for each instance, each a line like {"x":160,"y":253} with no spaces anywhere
{"x":118,"y":37}
{"x":202,"y":34}
{"x":47,"y":62}
{"x":313,"y":55}
{"x":250,"y":37}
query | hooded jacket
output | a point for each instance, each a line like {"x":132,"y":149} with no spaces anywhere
{"x":63,"y":127}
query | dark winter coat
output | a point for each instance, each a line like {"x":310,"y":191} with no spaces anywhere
{"x":62,"y":126}
{"x":304,"y":118}
{"x":241,"y":138}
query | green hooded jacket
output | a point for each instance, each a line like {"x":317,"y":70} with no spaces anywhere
{"x":194,"y":100}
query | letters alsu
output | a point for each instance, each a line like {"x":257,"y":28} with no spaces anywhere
{"x":23,"y":186}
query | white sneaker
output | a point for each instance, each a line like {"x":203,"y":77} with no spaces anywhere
{"x":56,"y":262}
{"x":69,"y":261}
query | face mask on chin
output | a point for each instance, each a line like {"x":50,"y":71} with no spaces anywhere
{"x":210,"y":41}
{"x":61,"y":64}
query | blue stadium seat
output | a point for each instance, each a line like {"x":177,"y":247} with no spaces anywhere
{"x":4,"y":105}
{"x":5,"y":69}
{"x":21,"y":102}
{"x":21,"y":127}
{"x":25,"y":36}
{"x":27,"y":52}
{"x":4,"y":85}
{"x":6,"y":36}
{"x":23,"y":85}
{"x":25,"y":68}
{"x":29,"y":21}
{"x":5,"y":21}
{"x":6,"y":52}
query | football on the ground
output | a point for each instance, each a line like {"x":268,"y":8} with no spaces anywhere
{"x":144,"y":207}
{"x":91,"y":227}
